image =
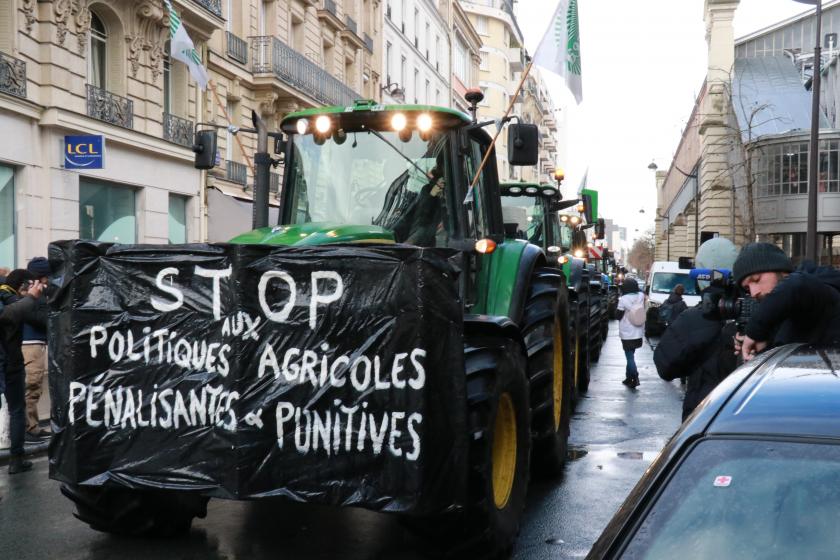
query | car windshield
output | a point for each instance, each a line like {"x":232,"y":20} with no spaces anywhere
{"x":664,"y":282}
{"x":739,"y":499}
{"x":371,"y":178}
{"x":527,"y":213}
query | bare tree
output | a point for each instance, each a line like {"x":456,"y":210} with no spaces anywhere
{"x":641,"y":255}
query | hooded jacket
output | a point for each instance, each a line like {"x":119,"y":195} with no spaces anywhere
{"x":804,"y":307}
{"x":698,"y":348}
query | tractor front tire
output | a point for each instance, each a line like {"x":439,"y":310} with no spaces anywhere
{"x":499,"y":433}
{"x":136,"y":513}
{"x":546,"y":333}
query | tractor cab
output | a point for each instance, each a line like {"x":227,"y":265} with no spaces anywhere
{"x":384,"y":174}
{"x":527,"y":211}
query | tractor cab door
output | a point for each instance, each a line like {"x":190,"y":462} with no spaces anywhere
{"x":481,"y":214}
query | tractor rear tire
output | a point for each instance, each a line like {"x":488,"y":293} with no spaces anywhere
{"x":545,"y":329}
{"x":498,"y":417}
{"x":136,"y":513}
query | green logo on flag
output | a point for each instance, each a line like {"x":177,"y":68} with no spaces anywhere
{"x":567,"y":32}
{"x":573,"y":44}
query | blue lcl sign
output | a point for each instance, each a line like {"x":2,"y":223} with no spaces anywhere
{"x":84,"y":152}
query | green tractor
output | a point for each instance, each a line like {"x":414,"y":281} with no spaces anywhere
{"x":531,"y":212}
{"x":367,"y":176}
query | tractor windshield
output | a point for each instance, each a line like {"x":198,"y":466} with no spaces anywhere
{"x":526,"y":213}
{"x":375,"y":178}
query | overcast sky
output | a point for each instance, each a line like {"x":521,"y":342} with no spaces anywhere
{"x":642,"y":65}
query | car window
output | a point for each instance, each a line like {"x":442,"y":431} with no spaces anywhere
{"x":740,"y":499}
{"x":664,"y":282}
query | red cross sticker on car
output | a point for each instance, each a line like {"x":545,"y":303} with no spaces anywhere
{"x":723,"y":481}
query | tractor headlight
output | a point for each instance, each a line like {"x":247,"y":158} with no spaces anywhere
{"x":323,"y":124}
{"x":398,"y":122}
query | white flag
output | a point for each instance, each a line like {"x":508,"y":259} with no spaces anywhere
{"x":583,"y":182}
{"x":559,"y":50}
{"x":183,"y":49}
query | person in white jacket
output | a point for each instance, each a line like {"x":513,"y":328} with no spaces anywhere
{"x":631,"y":335}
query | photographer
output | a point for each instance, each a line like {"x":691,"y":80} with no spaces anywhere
{"x":801,"y":306}
{"x":695,"y":346}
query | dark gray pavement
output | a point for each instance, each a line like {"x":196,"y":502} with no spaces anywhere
{"x":616,"y":432}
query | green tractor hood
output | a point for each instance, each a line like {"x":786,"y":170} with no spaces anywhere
{"x":315,"y":233}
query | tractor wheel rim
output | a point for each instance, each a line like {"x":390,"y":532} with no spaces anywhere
{"x":504,"y":451}
{"x":558,"y":374}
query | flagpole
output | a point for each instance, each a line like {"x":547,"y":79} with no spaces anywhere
{"x":212,"y":85}
{"x":499,"y":130}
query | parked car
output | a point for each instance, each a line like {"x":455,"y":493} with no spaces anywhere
{"x":663,"y":277}
{"x":754,"y":472}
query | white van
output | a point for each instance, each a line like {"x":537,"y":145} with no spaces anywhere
{"x":663,"y":276}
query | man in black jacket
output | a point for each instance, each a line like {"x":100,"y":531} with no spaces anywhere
{"x":695,"y":347}
{"x":798,"y":306}
{"x":17,"y":309}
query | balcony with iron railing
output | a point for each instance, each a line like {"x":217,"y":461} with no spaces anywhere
{"x":237,"y":48}
{"x":109,"y":107}
{"x":328,"y":12}
{"x":274,"y":184}
{"x":351,"y":25}
{"x":271,"y":56}
{"x":212,"y":6}
{"x":12,"y":76}
{"x":178,"y":130}
{"x":236,"y":172}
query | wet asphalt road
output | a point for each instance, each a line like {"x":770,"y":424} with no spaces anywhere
{"x":616,"y":432}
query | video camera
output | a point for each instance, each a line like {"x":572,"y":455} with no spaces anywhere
{"x":725,"y":300}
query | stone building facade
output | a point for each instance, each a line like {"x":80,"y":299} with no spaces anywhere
{"x":503,"y":60}
{"x":91,"y":67}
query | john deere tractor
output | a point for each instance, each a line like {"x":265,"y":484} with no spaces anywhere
{"x":531,"y":212}
{"x":371,"y":180}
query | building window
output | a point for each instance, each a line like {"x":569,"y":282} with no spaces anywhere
{"x":485,"y":63}
{"x":97,"y":61}
{"x":7,"y":216}
{"x":177,"y":218}
{"x":481,"y":25}
{"x":403,"y":83}
{"x":388,"y":62}
{"x":437,"y":97}
{"x":486,"y":101}
{"x":416,"y":85}
{"x":461,"y":60}
{"x":428,"y":96}
{"x":167,"y":79}
{"x":106,"y":212}
{"x":231,"y":112}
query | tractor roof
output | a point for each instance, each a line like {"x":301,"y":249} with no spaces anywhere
{"x":368,"y":105}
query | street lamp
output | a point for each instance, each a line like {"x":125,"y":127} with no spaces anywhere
{"x":813,"y":148}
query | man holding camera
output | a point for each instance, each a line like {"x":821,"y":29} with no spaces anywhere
{"x":801,"y":306}
{"x":697,"y":346}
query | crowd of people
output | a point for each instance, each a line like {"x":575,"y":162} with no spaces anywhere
{"x":23,"y":354}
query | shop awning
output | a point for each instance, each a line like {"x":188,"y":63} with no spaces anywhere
{"x":229,"y":214}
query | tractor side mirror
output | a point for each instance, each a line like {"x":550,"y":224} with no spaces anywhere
{"x":205,"y":149}
{"x":686,"y":263}
{"x":523,"y":144}
{"x":600,"y":229}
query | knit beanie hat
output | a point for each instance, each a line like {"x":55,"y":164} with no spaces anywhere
{"x":39,"y":266}
{"x":760,"y":257}
{"x":18,"y":277}
{"x":630,"y":286}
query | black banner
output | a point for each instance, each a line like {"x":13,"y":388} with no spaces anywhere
{"x":329,"y":374}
